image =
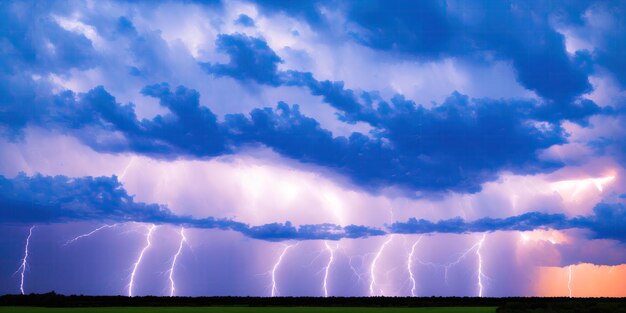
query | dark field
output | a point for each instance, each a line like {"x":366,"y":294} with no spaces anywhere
{"x":55,"y":303}
{"x":246,"y":310}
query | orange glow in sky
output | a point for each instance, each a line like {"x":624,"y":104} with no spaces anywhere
{"x":587,"y":280}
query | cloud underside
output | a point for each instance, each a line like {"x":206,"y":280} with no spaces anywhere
{"x":457,"y":145}
{"x":59,"y":199}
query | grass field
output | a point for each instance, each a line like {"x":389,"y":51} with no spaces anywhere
{"x":247,"y":310}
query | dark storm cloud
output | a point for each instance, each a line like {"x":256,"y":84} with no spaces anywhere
{"x":516,"y":31}
{"x":39,"y":45}
{"x":454,"y":146}
{"x":250,"y":59}
{"x":31,"y":48}
{"x":457,"y":145}
{"x":60,"y":199}
{"x":244,"y":20}
{"x":57,"y":199}
{"x":524,"y":222}
{"x":606,"y":222}
{"x":609,"y":42}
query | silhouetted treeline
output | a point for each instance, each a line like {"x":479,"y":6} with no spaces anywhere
{"x":505,"y":304}
{"x":574,"y":305}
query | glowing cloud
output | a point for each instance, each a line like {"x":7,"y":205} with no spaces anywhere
{"x":571,"y":189}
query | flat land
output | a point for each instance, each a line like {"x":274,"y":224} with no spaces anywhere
{"x":248,"y":310}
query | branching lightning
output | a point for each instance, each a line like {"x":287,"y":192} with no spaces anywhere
{"x":373,"y":265}
{"x":331,"y":259}
{"x":353,"y":269}
{"x":183,"y":239}
{"x":88,"y":234}
{"x":409,"y":267}
{"x":138,"y":262}
{"x":571,"y":188}
{"x":276,"y":266}
{"x":24,"y":265}
{"x":480,"y":275}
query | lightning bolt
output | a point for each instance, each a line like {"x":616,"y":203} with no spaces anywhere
{"x":353,"y":269}
{"x":409,"y":267}
{"x":24,"y":265}
{"x":564,"y":187}
{"x":89,"y":233}
{"x":480,"y":274}
{"x":373,"y":266}
{"x":447,"y":266}
{"x":569,"y":280}
{"x":275,"y":268}
{"x":136,"y":265}
{"x":331,"y":259}
{"x":183,"y":239}
{"x":126,"y":168}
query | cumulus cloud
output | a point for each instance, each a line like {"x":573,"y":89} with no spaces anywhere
{"x":482,"y":30}
{"x":456,"y":146}
{"x":244,"y":20}
{"x":602,"y":24}
{"x":253,"y":60}
{"x":31,"y":49}
{"x":250,"y":59}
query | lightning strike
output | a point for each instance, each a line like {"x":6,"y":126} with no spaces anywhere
{"x":138,"y":262}
{"x":457,"y":261}
{"x":88,"y":234}
{"x":447,"y":266}
{"x":373,"y":265}
{"x":275,"y":268}
{"x":569,"y":280}
{"x":183,"y":239}
{"x":24,"y":265}
{"x":480,"y":265}
{"x":126,"y":168}
{"x":409,"y":267}
{"x":353,"y":269}
{"x":571,"y":188}
{"x":331,"y":259}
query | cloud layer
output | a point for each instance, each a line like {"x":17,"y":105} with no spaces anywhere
{"x":59,"y":199}
{"x":455,"y":146}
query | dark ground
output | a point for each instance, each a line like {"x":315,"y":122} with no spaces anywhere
{"x":504,"y":305}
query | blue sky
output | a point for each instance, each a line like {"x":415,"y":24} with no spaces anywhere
{"x":377,"y":146}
